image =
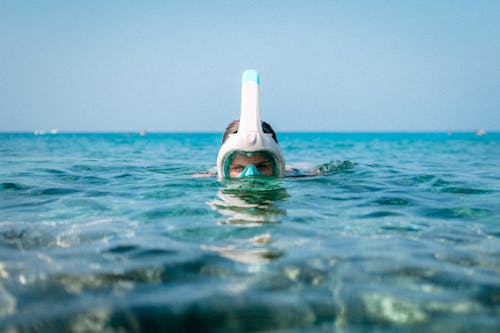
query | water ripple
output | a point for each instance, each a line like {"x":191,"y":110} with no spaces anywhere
{"x":111,"y":233}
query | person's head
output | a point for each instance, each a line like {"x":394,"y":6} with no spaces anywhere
{"x":253,"y":163}
{"x":249,"y":145}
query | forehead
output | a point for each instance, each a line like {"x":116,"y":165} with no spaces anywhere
{"x":254,"y":158}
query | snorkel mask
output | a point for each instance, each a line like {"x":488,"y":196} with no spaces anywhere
{"x":250,"y":141}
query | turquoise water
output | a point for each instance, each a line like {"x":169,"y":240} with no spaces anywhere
{"x":112,"y":233}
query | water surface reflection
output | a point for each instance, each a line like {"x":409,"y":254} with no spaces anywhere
{"x":249,"y":203}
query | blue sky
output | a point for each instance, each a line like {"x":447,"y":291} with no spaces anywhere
{"x":176,"y":66}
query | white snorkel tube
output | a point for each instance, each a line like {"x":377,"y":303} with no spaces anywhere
{"x":250,"y":137}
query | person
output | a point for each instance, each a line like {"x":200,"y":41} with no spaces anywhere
{"x":249,"y":145}
{"x":250,"y":163}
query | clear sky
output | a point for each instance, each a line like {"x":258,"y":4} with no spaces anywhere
{"x":177,"y":65}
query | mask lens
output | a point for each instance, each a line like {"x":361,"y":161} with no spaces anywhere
{"x":250,"y":164}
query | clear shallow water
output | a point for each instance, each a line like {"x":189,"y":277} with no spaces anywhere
{"x":110,"y":232}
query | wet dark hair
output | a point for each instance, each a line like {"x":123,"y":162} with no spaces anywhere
{"x":235,"y":124}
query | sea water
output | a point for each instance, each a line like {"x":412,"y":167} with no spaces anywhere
{"x":113,"y":233}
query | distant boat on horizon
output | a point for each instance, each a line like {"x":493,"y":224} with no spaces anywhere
{"x":42,"y":132}
{"x":481,"y":132}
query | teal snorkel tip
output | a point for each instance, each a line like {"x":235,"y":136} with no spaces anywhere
{"x":251,"y":75}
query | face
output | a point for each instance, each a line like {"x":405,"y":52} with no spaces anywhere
{"x":261,"y":162}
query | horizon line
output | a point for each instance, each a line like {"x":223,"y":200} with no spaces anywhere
{"x":144,"y":132}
